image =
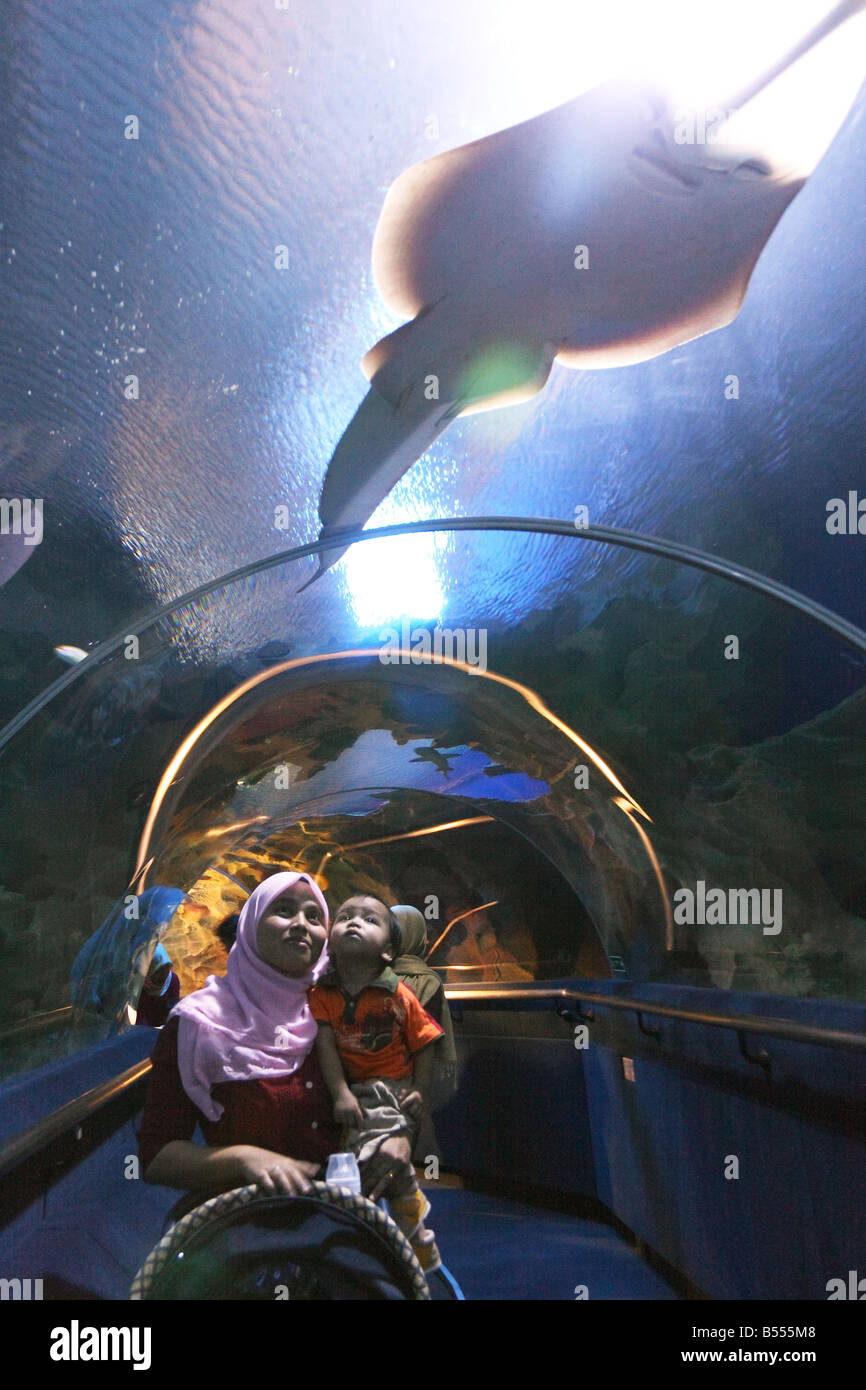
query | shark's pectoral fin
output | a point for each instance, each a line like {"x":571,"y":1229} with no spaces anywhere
{"x":448,"y":353}
{"x":395,"y":356}
{"x":504,"y":372}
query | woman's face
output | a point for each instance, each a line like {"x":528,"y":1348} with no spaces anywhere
{"x":291,"y":936}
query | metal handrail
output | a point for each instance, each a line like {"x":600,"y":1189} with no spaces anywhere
{"x":36,"y":1137}
{"x":31,"y":1141}
{"x":38,"y":1022}
{"x":739,"y":1023}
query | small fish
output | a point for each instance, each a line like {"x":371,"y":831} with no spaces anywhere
{"x":440,"y":760}
{"x":273,"y":652}
{"x":139,"y":793}
{"x":587,"y":235}
{"x":71,"y":655}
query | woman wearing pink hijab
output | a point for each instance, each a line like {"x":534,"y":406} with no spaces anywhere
{"x":236,"y":1058}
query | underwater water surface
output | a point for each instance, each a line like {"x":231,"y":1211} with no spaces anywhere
{"x":173,"y":395}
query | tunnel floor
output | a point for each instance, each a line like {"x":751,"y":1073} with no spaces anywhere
{"x":497,"y":1248}
{"x":501,"y":1249}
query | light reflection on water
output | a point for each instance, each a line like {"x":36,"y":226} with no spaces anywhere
{"x":395,"y":578}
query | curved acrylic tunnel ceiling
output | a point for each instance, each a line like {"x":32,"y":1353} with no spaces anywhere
{"x":413,"y":751}
{"x":608,"y":764}
{"x":154,"y":258}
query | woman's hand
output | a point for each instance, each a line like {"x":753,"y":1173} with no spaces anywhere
{"x":347,"y":1111}
{"x":275,"y":1172}
{"x":199,"y":1168}
{"x":393,"y":1156}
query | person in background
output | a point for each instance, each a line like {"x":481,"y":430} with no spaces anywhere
{"x":479,"y":956}
{"x":160,"y":991}
{"x":228,"y":929}
{"x":104,"y":972}
{"x":411,"y":967}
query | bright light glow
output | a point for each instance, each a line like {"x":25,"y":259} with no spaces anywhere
{"x":403,"y":835}
{"x":230,"y":829}
{"x":397,"y":578}
{"x":624,"y":806}
{"x":454,"y":920}
{"x":571,"y":45}
{"x":706,"y":52}
{"x":795,"y":119}
{"x":701,"y":54}
{"x":547,"y":53}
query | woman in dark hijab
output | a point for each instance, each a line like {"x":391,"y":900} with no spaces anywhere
{"x":160,"y":991}
{"x":424,"y":983}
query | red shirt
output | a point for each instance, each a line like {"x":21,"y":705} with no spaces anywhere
{"x":378,"y":1031}
{"x":290,"y":1115}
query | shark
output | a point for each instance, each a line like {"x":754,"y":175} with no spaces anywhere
{"x":594,"y":235}
{"x":441,"y":761}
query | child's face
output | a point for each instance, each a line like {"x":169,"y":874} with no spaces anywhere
{"x":361,"y":932}
{"x":291,"y":936}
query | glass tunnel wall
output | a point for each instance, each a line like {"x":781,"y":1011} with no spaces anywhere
{"x":656,"y":776}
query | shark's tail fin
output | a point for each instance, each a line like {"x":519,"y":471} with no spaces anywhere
{"x":379,"y":444}
{"x":424,"y":374}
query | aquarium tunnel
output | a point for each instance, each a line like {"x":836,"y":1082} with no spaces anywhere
{"x":587,"y":693}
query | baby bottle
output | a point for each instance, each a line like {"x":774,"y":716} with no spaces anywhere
{"x":343,"y":1171}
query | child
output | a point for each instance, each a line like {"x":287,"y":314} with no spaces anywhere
{"x":373,"y":1046}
